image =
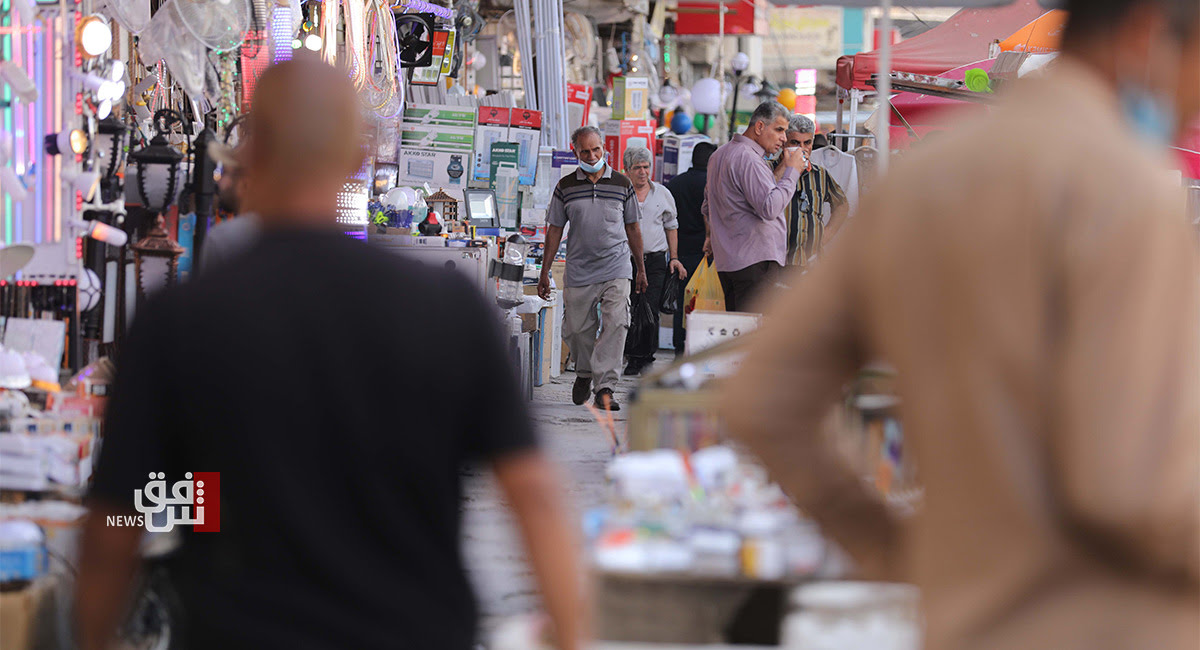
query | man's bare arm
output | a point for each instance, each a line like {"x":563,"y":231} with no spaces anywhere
{"x":534,"y":494}
{"x":107,"y":564}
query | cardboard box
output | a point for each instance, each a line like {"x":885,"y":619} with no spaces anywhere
{"x":557,"y":358}
{"x":619,"y":135}
{"x":525,"y":129}
{"x":563,"y":163}
{"x":439,"y":115}
{"x":677,"y":153}
{"x":438,"y":155}
{"x":631,"y":98}
{"x":579,"y":105}
{"x":491,"y":127}
{"x":29,"y":616}
{"x":657,"y":172}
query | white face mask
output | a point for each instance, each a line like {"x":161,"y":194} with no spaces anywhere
{"x":1151,"y":112}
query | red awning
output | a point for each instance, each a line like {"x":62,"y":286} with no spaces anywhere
{"x":964,"y":38}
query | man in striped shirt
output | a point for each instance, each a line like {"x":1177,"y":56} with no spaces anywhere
{"x":603,"y":211}
{"x":810,"y":222}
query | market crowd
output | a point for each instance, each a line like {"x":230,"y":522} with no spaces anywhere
{"x":1028,"y":277}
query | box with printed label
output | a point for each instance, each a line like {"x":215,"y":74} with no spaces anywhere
{"x":491,"y":127}
{"x":677,"y":153}
{"x":620,"y":135}
{"x":631,"y":98}
{"x":439,"y":115}
{"x":525,"y":129}
{"x":658,"y":162}
{"x":563,"y":163}
{"x":437,"y":155}
{"x":579,"y":105}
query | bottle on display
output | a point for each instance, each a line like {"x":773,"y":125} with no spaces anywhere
{"x":512,"y":272}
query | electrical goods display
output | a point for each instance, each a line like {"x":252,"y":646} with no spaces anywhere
{"x":620,"y":135}
{"x":492,"y":127}
{"x":437,"y":144}
{"x":631,"y":98}
{"x":525,"y":129}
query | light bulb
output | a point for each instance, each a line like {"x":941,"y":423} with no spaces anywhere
{"x":104,"y":109}
{"x":740,"y":62}
{"x":109,"y":90}
{"x":296,"y":44}
{"x":313,"y":42}
{"x":94,"y":36}
{"x":118,"y":70}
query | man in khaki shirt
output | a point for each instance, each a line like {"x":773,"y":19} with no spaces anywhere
{"x":1033,"y":280}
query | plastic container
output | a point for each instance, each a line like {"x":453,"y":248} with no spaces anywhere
{"x":23,"y":554}
{"x":841,"y":615}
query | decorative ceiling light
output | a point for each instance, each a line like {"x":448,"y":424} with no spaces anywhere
{"x":156,"y":259}
{"x":110,"y":141}
{"x":158,"y":165}
{"x":93,"y":36}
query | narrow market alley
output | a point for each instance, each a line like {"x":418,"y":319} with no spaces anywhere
{"x":491,"y":545}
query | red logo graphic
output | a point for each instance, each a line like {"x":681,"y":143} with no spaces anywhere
{"x":208,"y":495}
{"x":194,"y":501}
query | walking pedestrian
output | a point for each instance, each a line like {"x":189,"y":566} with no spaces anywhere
{"x":688,"y":191}
{"x":744,"y":204}
{"x":602,"y":209}
{"x":339,"y":511}
{"x":660,"y":239}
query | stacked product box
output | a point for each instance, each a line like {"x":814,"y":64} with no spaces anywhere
{"x":620,"y":135}
{"x":437,"y":145}
{"x":677,"y":154}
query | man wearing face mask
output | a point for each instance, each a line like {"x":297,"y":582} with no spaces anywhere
{"x":744,"y":202}
{"x":810,"y":223}
{"x":1044,"y":320}
{"x":603,"y":211}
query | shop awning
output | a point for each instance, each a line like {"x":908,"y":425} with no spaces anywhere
{"x":1041,"y":36}
{"x":925,"y":113}
{"x":964,"y":38}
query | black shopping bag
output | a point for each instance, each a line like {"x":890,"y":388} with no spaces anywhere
{"x":672,"y":298}
{"x":642,"y":338}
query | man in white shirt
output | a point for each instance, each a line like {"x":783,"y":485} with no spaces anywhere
{"x":660,"y":241}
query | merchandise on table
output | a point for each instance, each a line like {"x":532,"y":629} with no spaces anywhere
{"x":708,"y":513}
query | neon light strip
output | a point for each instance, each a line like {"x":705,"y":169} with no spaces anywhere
{"x":57,"y":107}
{"x":19,"y":209}
{"x":32,"y":137}
{"x":6,"y":47}
{"x":281,"y":34}
{"x":45,"y":100}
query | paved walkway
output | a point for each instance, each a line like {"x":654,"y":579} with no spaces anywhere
{"x":494,"y":555}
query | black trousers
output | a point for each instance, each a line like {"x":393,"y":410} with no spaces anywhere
{"x":679,"y":336}
{"x":656,"y":276}
{"x":742,"y":286}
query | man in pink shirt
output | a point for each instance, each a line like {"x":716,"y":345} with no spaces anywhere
{"x":744,"y":203}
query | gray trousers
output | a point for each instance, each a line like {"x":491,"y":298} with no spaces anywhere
{"x":598,"y":357}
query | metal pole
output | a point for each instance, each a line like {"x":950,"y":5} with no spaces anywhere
{"x":841,"y":101}
{"x":733,"y":112}
{"x":884,"y":86}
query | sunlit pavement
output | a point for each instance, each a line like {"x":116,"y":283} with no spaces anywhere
{"x":575,"y":441}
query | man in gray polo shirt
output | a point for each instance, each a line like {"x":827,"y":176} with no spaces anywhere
{"x":601,"y":206}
